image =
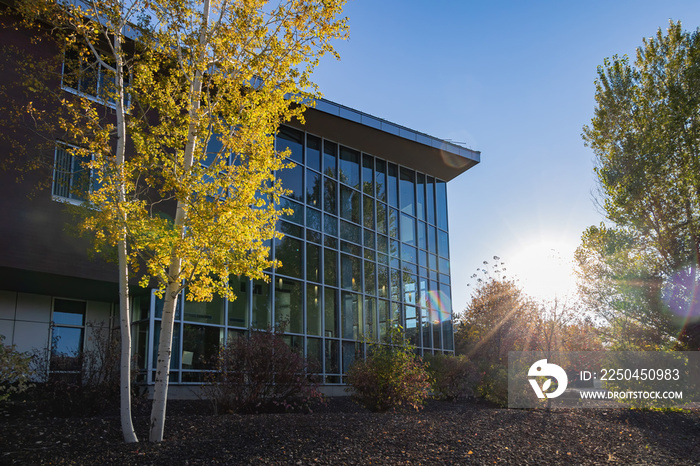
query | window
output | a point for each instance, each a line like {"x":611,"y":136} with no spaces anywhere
{"x":67,"y":335}
{"x":84,"y":75}
{"x":72,"y":180}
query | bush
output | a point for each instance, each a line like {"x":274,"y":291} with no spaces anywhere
{"x":83,"y":384}
{"x":260,"y":372}
{"x":454,"y":377}
{"x":15,"y":370}
{"x":391,"y":377}
{"x":494,"y":384}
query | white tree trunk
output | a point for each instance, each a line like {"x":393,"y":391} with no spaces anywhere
{"x":124,"y":311}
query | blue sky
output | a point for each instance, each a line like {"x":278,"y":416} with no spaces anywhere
{"x":514,"y":80}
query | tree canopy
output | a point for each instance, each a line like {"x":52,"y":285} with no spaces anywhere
{"x":645,"y":134}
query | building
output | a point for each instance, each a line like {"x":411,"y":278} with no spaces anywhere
{"x":367,"y":246}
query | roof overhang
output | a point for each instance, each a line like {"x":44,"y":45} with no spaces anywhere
{"x":387,"y":140}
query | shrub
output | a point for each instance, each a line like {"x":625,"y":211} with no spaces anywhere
{"x":83,"y":384}
{"x":15,"y":370}
{"x":260,"y":372}
{"x":494,"y":384}
{"x":454,"y":377}
{"x":391,"y":377}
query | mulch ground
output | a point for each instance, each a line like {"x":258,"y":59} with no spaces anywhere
{"x":343,"y":433}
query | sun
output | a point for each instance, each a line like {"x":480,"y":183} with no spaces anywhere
{"x":544,"y":268}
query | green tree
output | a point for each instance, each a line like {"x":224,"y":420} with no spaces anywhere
{"x":645,"y":134}
{"x":210,"y":82}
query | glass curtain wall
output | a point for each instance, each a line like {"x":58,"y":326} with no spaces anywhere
{"x":365,"y":248}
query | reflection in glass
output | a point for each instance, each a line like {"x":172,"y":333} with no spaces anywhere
{"x":238,"y":308}
{"x":313,"y":263}
{"x":292,"y":180}
{"x":350,"y":204}
{"x":383,"y":312}
{"x":330,"y":305}
{"x":408,"y":229}
{"x":330,"y":265}
{"x":313,"y":309}
{"x":368,"y":174}
{"x":288,"y":304}
{"x":332,"y":356}
{"x":381,"y":218}
{"x":313,"y":152}
{"x":211,"y":312}
{"x":430,"y":199}
{"x":370,"y":278}
{"x":392,"y":185}
{"x":261,"y":305}
{"x":313,"y":189}
{"x":330,"y":159}
{"x":380,"y":180}
{"x":293,"y":139}
{"x":408,"y":201}
{"x":199,"y":345}
{"x":370,"y":311}
{"x":352,"y":316}
{"x":349,"y":167}
{"x":441,"y":201}
{"x":289,"y":251}
{"x":350,"y":273}
{"x":329,"y":195}
{"x":420,"y":196}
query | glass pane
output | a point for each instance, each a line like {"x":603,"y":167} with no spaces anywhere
{"x":289,"y":251}
{"x":443,"y":244}
{"x":332,"y":357}
{"x":349,"y":167}
{"x":313,"y":189}
{"x":444,"y":266}
{"x":330,"y":159}
{"x":425,"y":325}
{"x":350,"y":273}
{"x":329,"y":196}
{"x":238,"y":308}
{"x":200,"y":345}
{"x":395,"y":285}
{"x":380,"y":180}
{"x":289,"y":229}
{"x":350,"y":232}
{"x":368,"y":212}
{"x":313,"y":263}
{"x":314,"y":354}
{"x":408,"y":253}
{"x":410,"y":294}
{"x":368,"y":174}
{"x":313,"y":309}
{"x":313,"y":152}
{"x":205,"y":312}
{"x":382,"y":281}
{"x":441,"y":201}
{"x":383,"y":311}
{"x":381,"y":218}
{"x":350,"y":204}
{"x":369,"y":240}
{"x":288,"y":304}
{"x":261,"y":305}
{"x":383,"y":244}
{"x":313,"y":219}
{"x":292,"y":180}
{"x":66,"y":346}
{"x":420,"y":196}
{"x":350,"y":352}
{"x":430,"y":200}
{"x":422,"y":236}
{"x":408,"y":229}
{"x":176,"y":353}
{"x":432,"y":239}
{"x":370,"y":278}
{"x":412,"y":325}
{"x":330,"y":265}
{"x":293,"y":140}
{"x":297,"y":211}
{"x":352,"y":316}
{"x":393,"y":223}
{"x":392,"y":185}
{"x":370,"y":312}
{"x":408,"y":201}
{"x":330,"y":225}
{"x":330,"y":306}
{"x":68,"y":312}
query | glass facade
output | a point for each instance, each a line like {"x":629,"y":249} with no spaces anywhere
{"x":365,"y":249}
